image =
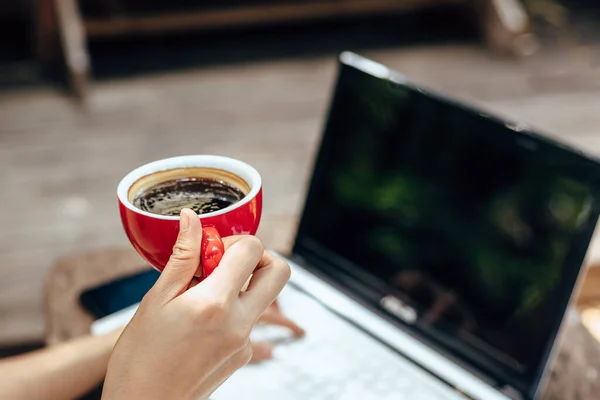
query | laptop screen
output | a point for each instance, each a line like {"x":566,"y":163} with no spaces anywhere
{"x":479,"y":228}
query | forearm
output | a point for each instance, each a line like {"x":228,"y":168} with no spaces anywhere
{"x":65,"y":371}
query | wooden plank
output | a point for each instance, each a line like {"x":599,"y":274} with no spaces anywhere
{"x":252,"y":15}
{"x":59,"y":167}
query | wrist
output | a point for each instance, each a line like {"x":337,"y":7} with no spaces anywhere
{"x":126,"y":379}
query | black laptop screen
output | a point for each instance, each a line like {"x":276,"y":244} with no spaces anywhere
{"x":479,"y":228}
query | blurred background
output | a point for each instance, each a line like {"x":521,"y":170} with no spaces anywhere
{"x":90,"y":89}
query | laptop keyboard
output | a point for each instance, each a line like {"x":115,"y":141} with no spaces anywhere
{"x":335,"y":361}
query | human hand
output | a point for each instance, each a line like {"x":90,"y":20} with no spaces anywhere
{"x":262,"y":351}
{"x":274,"y":316}
{"x":184,"y":343}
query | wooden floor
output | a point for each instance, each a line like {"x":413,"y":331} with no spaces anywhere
{"x":59,"y":164}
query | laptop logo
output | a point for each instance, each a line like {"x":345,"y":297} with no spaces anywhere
{"x":398,"y":308}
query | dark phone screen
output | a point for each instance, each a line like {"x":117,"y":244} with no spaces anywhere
{"x":119,"y":294}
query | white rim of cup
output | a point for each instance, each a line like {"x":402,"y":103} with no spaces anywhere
{"x":237,"y":167}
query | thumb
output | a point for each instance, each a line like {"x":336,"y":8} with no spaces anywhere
{"x":184,"y":261}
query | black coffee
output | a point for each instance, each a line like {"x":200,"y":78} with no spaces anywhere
{"x":203,"y":195}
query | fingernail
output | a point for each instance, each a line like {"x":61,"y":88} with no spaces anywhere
{"x":184,"y":221}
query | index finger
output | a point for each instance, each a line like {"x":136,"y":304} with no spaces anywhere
{"x":238,"y":263}
{"x":267,"y":282}
{"x":229,"y":241}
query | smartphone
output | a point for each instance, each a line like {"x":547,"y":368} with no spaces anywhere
{"x":119,"y":294}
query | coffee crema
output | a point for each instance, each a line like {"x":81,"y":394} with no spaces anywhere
{"x":204,"y":190}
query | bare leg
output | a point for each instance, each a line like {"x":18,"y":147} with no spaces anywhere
{"x":505,"y":26}
{"x":72,"y":35}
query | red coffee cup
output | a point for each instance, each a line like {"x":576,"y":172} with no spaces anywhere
{"x":153,"y":235}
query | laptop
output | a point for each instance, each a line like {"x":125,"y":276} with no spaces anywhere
{"x":436,"y":257}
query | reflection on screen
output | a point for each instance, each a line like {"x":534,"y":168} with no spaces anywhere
{"x":469,"y":226}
